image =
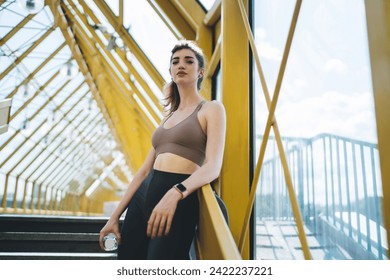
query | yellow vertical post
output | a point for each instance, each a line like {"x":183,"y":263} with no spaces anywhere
{"x":204,"y":38}
{"x":378,"y":25}
{"x":235,"y":96}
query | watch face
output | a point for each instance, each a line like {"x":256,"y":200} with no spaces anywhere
{"x":181,"y":187}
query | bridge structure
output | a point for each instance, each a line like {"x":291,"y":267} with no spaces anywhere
{"x":306,"y":93}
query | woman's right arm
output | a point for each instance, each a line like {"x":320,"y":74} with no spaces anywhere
{"x":112,"y":225}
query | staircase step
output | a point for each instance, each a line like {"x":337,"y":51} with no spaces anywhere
{"x":39,"y":223}
{"x":51,"y":237}
{"x":47,"y":236}
{"x":56,"y":256}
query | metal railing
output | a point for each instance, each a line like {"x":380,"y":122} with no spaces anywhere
{"x":337,"y":182}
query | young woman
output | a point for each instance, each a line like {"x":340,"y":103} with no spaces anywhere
{"x":161,"y":201}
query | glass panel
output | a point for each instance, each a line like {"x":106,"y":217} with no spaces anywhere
{"x":141,"y":19}
{"x":326,"y":118}
{"x":114,"y":6}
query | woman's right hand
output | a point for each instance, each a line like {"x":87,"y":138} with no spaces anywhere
{"x":112,"y":226}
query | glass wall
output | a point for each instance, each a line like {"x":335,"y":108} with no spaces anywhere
{"x":326,"y":118}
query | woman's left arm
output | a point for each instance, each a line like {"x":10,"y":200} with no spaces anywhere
{"x":216,"y":131}
{"x":162,"y":215}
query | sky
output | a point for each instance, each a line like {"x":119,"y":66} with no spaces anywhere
{"x":327,"y":83}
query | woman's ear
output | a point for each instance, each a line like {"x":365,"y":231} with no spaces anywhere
{"x":200,"y":73}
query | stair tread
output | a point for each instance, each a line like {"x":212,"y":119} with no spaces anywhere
{"x":55,"y":236}
{"x":43,"y":218}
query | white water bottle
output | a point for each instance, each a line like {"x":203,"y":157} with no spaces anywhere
{"x":109,"y":242}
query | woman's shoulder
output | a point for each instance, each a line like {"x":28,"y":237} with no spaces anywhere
{"x":214,"y":106}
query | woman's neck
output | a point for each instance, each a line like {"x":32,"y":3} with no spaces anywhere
{"x":189,"y":97}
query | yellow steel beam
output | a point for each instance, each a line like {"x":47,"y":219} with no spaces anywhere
{"x":170,"y":26}
{"x":191,"y":11}
{"x":30,"y":119}
{"x":32,"y":74}
{"x":215,"y":59}
{"x":130,"y":43}
{"x":204,"y":38}
{"x":124,"y":119}
{"x":121,"y":53}
{"x":50,"y":168}
{"x":64,"y":168}
{"x":21,"y":173}
{"x":41,"y":88}
{"x":70,"y":173}
{"x":26,"y":53}
{"x":120,"y":16}
{"x":378,"y":25}
{"x":65,"y":157}
{"x":214,"y":239}
{"x":15,"y":29}
{"x":181,"y":24}
{"x":235,"y":88}
{"x":214,"y":14}
{"x":271,"y":122}
{"x":62,"y":23}
{"x":84,"y":39}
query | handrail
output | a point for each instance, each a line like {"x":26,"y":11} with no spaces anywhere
{"x":214,"y":240}
{"x":348,"y":186}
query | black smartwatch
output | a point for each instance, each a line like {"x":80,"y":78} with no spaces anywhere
{"x":181,"y":187}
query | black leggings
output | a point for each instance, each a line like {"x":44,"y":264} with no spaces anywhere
{"x":176,"y":245}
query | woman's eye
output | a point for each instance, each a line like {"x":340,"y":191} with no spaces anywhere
{"x":174,"y":62}
{"x":190,"y":61}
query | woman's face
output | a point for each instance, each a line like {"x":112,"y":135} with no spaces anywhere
{"x":184,"y":67}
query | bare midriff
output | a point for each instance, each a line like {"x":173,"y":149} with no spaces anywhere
{"x":169,"y":162}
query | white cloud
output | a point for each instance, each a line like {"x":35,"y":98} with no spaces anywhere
{"x":336,"y":65}
{"x":260,"y":34}
{"x":300,"y":83}
{"x":348,"y":115}
{"x":268,"y":51}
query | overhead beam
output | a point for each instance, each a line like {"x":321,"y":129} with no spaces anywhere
{"x":15,"y":29}
{"x":62,"y":23}
{"x":130,"y":43}
{"x":164,"y":18}
{"x":174,"y":15}
{"x":121,"y":53}
{"x":79,"y":31}
{"x":213,"y":15}
{"x":26,"y":53}
{"x":191,"y":11}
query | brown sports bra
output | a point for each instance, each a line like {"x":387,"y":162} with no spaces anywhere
{"x":186,"y":139}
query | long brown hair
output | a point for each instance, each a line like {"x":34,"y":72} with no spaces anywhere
{"x":171,"y":91}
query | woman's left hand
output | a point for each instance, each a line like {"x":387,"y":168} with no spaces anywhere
{"x":162,"y":215}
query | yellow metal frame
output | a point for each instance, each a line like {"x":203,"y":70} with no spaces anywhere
{"x":130,"y":43}
{"x":214,"y":239}
{"x":26,"y":53}
{"x":16,"y":187}
{"x":378,"y":25}
{"x":186,"y":29}
{"x":15,"y":29}
{"x":271,"y":122}
{"x":235,"y":96}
